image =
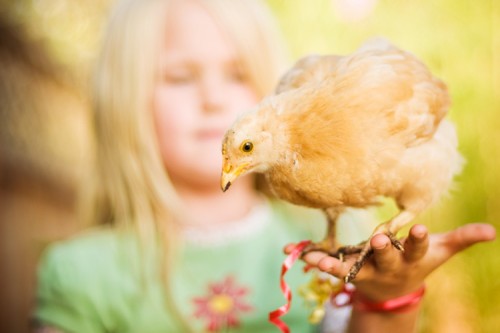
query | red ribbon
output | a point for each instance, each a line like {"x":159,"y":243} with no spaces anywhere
{"x":396,"y":305}
{"x":274,"y":316}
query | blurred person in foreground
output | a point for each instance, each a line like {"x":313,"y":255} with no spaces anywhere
{"x":173,"y":253}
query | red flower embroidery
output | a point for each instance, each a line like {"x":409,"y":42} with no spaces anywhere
{"x":223,"y":305}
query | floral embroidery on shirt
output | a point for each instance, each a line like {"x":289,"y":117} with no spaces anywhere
{"x":223,"y":305}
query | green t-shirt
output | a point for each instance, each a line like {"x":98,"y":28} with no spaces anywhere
{"x":226,"y":281}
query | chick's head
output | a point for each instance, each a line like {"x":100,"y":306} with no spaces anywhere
{"x":247,"y":147}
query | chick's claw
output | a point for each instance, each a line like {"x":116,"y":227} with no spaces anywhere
{"x":395,"y":242}
{"x":366,"y":253}
{"x":347,"y":250}
{"x":320,"y":247}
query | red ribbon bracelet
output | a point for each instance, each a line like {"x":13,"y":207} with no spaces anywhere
{"x":274,"y":316}
{"x":395,"y":305}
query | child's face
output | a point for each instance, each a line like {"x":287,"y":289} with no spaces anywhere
{"x":200,"y":92}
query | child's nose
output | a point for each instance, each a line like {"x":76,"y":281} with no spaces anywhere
{"x":213,"y":94}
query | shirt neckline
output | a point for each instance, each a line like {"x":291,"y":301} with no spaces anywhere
{"x":221,"y":234}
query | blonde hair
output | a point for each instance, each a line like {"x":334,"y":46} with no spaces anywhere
{"x":130,"y":187}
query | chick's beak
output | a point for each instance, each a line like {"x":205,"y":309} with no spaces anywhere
{"x":230,"y":173}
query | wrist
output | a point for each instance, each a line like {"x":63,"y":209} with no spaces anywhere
{"x":348,"y":295}
{"x":399,"y":304}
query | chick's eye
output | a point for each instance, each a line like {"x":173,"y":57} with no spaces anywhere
{"x":246,"y":147}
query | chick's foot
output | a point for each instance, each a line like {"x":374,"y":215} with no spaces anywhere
{"x":333,"y":251}
{"x":366,"y":253}
{"x":323,"y":246}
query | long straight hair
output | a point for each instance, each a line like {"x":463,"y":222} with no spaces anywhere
{"x":129,"y":187}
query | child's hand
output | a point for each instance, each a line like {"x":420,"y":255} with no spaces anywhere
{"x":391,"y":273}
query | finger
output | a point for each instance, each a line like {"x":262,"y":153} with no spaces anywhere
{"x":327,"y":264}
{"x":417,"y":243}
{"x":468,"y":235}
{"x":340,"y":269}
{"x":313,"y":258}
{"x":386,"y":257}
{"x":334,"y":266}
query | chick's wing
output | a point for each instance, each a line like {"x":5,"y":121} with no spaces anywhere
{"x":308,"y":70}
{"x":394,"y":87}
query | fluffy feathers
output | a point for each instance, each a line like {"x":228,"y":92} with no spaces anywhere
{"x":340,"y":131}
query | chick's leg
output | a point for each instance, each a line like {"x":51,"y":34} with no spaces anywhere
{"x":329,"y":244}
{"x":390,"y":229}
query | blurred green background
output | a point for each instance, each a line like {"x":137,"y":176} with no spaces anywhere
{"x":458,"y":39}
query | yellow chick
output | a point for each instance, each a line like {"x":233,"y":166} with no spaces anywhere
{"x":342,"y":131}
